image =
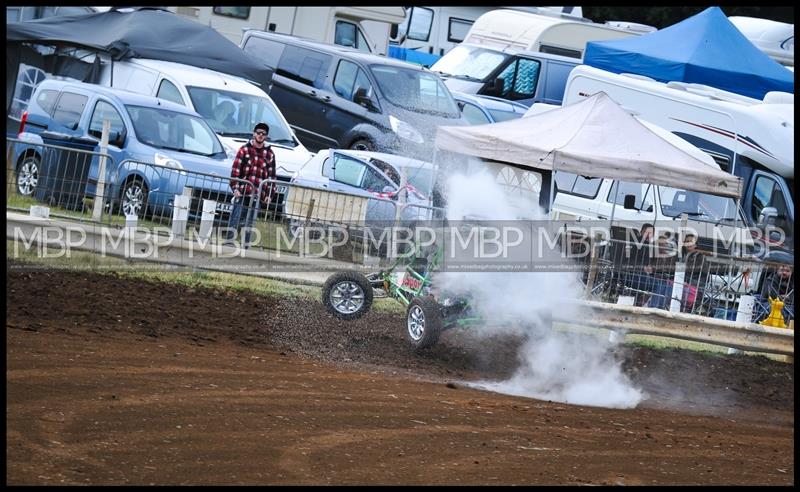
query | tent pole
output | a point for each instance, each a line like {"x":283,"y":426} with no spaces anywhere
{"x":552,"y":186}
{"x":614,"y":206}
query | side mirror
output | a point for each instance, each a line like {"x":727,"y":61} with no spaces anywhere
{"x":461,"y":105}
{"x":767,"y":216}
{"x":629,"y":202}
{"x":361,"y":98}
{"x":647,"y":207}
{"x":116,"y":138}
{"x":393,"y":31}
{"x":495,"y":87}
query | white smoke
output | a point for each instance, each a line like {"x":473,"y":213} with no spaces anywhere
{"x":555,"y":365}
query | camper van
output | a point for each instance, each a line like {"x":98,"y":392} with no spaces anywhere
{"x":750,"y":138}
{"x":776,"y":39}
{"x":231,"y":105}
{"x":427,"y":33}
{"x":520,"y":56}
{"x":363,"y":28}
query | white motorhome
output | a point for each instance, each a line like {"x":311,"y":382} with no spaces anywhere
{"x":776,"y":39}
{"x":231,"y":105}
{"x":364,"y":28}
{"x":513,"y":29}
{"x":751,"y":138}
{"x":430,"y":32}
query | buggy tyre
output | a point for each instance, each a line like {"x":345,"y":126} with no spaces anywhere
{"x":423,"y":322}
{"x":347,"y":295}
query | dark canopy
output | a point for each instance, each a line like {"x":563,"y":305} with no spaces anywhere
{"x":144,"y":33}
{"x":703,"y":49}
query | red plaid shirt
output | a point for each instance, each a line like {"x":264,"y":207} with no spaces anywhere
{"x":253,"y":165}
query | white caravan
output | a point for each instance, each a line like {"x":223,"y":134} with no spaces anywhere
{"x":364,"y":28}
{"x":776,"y":39}
{"x":231,"y":105}
{"x":751,"y":138}
{"x":436,"y":30}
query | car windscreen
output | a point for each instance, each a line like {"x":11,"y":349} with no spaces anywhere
{"x":698,"y":206}
{"x":235,"y":114}
{"x":415,"y":90}
{"x":469,"y":62}
{"x":176,"y":131}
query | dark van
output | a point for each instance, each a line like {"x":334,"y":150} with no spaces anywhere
{"x":338,"y":97}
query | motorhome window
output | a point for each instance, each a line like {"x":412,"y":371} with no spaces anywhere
{"x":305,"y":66}
{"x":420,"y":21}
{"x":474,"y":115}
{"x":698,"y":206}
{"x":470,"y":63}
{"x":458,"y":29}
{"x":348,"y":171}
{"x":29,"y":77}
{"x":415,"y":90}
{"x":168,"y":91}
{"x":577,"y":185}
{"x":555,"y":50}
{"x":248,"y":110}
{"x":520,"y":79}
{"x":69,"y":109}
{"x":639,"y":190}
{"x":47,"y":100}
{"x":767,"y":193}
{"x":348,"y":34}
{"x":105,"y":111}
{"x":238,"y":12}
{"x":266,"y":50}
{"x":723,"y":161}
{"x":171,"y":130}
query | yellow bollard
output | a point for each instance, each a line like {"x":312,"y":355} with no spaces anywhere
{"x":775,"y":317}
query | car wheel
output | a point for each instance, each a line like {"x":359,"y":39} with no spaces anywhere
{"x":423,"y":322}
{"x":133,"y":198}
{"x":363,"y":144}
{"x":347,"y":295}
{"x":28,"y":175}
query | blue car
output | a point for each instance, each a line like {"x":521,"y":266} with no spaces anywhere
{"x":482,"y":110}
{"x":157,"y":149}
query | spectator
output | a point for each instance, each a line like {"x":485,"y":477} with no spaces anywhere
{"x":694,"y":278}
{"x":642,"y":276}
{"x":254,"y":162}
{"x":778,"y":285}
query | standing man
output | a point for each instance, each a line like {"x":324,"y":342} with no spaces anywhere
{"x":254,"y":162}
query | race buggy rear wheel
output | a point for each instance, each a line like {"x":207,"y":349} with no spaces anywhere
{"x":347,"y":295}
{"x":423,"y":322}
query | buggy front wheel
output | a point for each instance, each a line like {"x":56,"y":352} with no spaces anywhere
{"x":347,"y":295}
{"x":423,"y":322}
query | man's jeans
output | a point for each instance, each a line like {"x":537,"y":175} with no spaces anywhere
{"x":241,"y":206}
{"x":660,"y":289}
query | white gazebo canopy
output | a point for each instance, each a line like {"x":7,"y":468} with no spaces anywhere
{"x":594,"y":137}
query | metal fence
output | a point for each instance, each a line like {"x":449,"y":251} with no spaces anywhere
{"x":688,"y":280}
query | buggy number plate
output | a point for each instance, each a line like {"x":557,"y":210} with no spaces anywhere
{"x":411,"y":282}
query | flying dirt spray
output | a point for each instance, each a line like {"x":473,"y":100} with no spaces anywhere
{"x":554,"y":365}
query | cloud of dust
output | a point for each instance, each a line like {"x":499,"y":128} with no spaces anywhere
{"x":576,"y":368}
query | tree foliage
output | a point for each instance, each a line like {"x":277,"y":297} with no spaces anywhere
{"x":662,"y":17}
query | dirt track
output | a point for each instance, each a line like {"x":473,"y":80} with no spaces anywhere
{"x":168,"y":385}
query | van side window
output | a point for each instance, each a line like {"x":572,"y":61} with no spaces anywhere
{"x":266,"y":50}
{"x":47,"y":100}
{"x":238,"y":12}
{"x":169,"y":92}
{"x":105,"y":111}
{"x":69,"y":109}
{"x":305,"y":66}
{"x":555,"y":50}
{"x":639,"y":190}
{"x":348,"y":34}
{"x":520,"y":78}
{"x":577,"y":185}
{"x":474,"y":115}
{"x":349,"y":78}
